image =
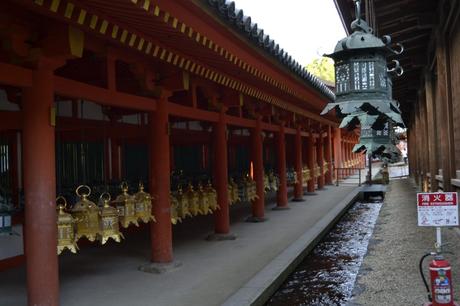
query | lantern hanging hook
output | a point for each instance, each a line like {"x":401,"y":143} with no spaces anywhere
{"x":397,"y":69}
{"x":61,"y":202}
{"x":81,"y":194}
{"x":105,"y":198}
{"x":398,"y":51}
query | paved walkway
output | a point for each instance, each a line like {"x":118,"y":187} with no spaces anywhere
{"x":389,"y":274}
{"x":210,"y":271}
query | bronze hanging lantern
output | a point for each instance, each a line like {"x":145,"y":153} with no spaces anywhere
{"x":203,"y":200}
{"x":212,"y":196}
{"x":233,"y":192}
{"x":182,"y":204}
{"x":110,"y":228}
{"x":126,"y":207}
{"x":66,"y":228}
{"x":305,"y":175}
{"x":192,"y":197}
{"x":362,"y":80}
{"x":174,"y":209}
{"x":143,"y":205}
{"x":86,"y":214}
{"x":274,"y":181}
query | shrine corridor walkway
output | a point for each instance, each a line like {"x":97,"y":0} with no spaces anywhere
{"x":210,"y":271}
{"x":389,"y":274}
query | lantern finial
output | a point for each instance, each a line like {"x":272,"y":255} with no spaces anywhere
{"x":358,"y":10}
{"x":359,"y":24}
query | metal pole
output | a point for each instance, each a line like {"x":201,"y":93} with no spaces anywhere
{"x":438,"y":240}
{"x":359,"y":171}
{"x":370,"y":169}
{"x":337,"y":177}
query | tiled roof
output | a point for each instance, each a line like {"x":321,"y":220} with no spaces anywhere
{"x":244,"y":24}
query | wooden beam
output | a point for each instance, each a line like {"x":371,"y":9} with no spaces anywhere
{"x":79,"y":90}
{"x":192,"y":113}
{"x":15,"y":76}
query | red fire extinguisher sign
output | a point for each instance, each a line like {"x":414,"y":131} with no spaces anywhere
{"x":437,"y":209}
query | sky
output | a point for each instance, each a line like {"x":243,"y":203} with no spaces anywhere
{"x":306,"y":29}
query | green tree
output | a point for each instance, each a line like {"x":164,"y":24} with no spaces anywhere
{"x":323,"y":68}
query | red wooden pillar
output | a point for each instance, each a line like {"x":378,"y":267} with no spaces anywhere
{"x":222,"y":217}
{"x":347,"y":158}
{"x":282,"y":199}
{"x":258,"y":206}
{"x":160,"y":231}
{"x":40,"y":230}
{"x":298,"y":188}
{"x":320,"y":157}
{"x":311,"y":162}
{"x":328,"y":157}
{"x":337,"y":150}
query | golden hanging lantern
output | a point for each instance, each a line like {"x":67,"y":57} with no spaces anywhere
{"x":231,"y":200}
{"x":317,"y":171}
{"x":65,"y":225}
{"x":296,"y":179}
{"x":174,"y":209}
{"x":266,"y":183}
{"x":306,"y":175}
{"x":273,"y":181}
{"x":182,"y":204}
{"x":251,"y":189}
{"x":109,"y":221}
{"x":192,"y":197}
{"x":126,"y":207}
{"x":235,"y":195}
{"x":86,"y":214}
{"x":212,"y":196}
{"x":143,"y":205}
{"x":203,"y":201}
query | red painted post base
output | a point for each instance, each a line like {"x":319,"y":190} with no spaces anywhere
{"x":254,"y":219}
{"x":160,"y":267}
{"x":220,"y":237}
{"x":281,"y":208}
{"x":298,"y":199}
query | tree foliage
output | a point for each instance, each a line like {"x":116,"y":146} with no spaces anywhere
{"x":323,"y":68}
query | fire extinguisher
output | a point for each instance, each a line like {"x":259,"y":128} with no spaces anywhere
{"x":441,"y":281}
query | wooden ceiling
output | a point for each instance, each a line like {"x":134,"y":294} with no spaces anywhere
{"x":409,"y":22}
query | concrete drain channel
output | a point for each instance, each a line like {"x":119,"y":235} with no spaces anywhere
{"x":328,"y":273}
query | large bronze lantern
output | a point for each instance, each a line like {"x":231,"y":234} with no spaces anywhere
{"x":363,"y":85}
{"x":362,"y":78}
{"x":377,"y":142}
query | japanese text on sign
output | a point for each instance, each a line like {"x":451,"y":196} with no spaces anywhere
{"x":437,"y":209}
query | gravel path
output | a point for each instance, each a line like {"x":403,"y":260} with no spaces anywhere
{"x":389,"y":274}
